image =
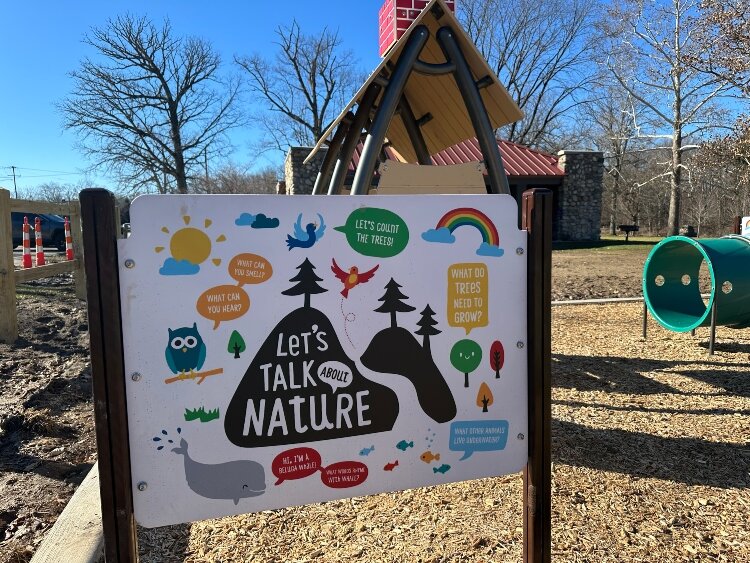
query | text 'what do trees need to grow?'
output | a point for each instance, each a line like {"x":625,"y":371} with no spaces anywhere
{"x":298,"y":349}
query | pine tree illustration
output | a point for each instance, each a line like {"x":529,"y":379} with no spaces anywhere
{"x":427,"y":327}
{"x":307,"y":282}
{"x":393,"y":302}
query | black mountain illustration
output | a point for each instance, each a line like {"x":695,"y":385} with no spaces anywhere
{"x":302,"y":407}
{"x":395,"y":350}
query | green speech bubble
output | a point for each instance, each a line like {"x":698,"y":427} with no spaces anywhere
{"x":375,"y":232}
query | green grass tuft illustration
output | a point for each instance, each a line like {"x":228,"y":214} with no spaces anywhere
{"x":201,"y":414}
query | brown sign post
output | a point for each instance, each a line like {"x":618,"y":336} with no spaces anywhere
{"x":98,"y":216}
{"x":536,"y":219}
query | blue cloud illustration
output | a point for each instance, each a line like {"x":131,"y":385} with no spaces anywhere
{"x":489,"y":250}
{"x":442,"y":234}
{"x":244,"y":220}
{"x":174,"y":267}
{"x":263,"y":222}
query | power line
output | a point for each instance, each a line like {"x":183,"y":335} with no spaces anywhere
{"x":50,"y":175}
{"x":43,"y":170}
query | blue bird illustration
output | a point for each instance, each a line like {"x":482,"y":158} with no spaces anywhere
{"x":186,"y":350}
{"x":311,"y":234}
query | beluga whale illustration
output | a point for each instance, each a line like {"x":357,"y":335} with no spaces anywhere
{"x":230,"y":480}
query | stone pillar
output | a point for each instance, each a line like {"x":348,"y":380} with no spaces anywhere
{"x":299,"y":177}
{"x":579,"y":198}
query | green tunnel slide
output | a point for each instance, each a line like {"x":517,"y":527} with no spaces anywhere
{"x":672,"y":292}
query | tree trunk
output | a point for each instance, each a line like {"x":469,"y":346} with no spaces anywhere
{"x":673,"y":222}
{"x":466,"y":379}
{"x":179,"y":157}
{"x":393,"y":319}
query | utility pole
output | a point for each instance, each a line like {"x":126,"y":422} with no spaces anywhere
{"x":15,"y":188}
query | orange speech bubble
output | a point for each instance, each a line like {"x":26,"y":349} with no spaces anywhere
{"x":250,"y":268}
{"x":223,"y":303}
{"x":467,"y":295}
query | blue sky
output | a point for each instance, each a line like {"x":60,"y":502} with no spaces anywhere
{"x":41,"y":44}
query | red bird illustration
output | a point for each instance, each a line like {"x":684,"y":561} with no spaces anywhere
{"x":352,"y":278}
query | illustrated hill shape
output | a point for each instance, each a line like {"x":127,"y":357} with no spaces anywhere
{"x":282,"y":399}
{"x":395,"y":350}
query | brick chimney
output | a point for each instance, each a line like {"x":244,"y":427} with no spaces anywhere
{"x":395,"y":16}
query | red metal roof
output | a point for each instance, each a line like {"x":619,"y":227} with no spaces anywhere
{"x":518,"y":160}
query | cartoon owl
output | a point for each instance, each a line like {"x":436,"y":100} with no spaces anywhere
{"x":186,"y":351}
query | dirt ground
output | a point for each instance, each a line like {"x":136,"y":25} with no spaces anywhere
{"x":651,"y":447}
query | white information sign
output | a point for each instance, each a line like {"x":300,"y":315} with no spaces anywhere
{"x":745,"y":226}
{"x":286,"y":350}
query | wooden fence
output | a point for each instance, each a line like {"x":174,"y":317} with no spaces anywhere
{"x":10,"y":277}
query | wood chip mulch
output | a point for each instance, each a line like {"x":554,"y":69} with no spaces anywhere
{"x":651,"y":452}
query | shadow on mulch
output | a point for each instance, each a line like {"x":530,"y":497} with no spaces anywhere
{"x":60,"y":395}
{"x":166,"y":544}
{"x":685,"y":460}
{"x":14,"y":461}
{"x":661,"y":410}
{"x":625,"y":375}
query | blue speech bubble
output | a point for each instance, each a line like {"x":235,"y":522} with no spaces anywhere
{"x":471,"y":436}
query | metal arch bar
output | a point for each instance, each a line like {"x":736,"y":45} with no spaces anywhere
{"x":434,"y":68}
{"x":477,"y":112}
{"x":386,"y":108}
{"x":415,"y":133}
{"x":352,"y":138}
{"x":333,"y":149}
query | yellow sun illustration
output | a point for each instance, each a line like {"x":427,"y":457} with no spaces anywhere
{"x":191,"y":243}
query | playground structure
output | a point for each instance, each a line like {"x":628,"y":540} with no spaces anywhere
{"x":10,"y":277}
{"x":673,"y":282}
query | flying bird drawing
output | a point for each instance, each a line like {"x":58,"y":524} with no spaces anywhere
{"x":352,"y":278}
{"x":305,"y":238}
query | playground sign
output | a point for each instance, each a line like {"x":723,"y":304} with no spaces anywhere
{"x":286,"y":350}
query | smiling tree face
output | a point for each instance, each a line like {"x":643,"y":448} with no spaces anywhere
{"x":466,"y":355}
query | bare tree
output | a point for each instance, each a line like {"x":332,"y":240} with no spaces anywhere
{"x":310,"y":79}
{"x":542,"y":53}
{"x":233,"y":180}
{"x":151,"y":107}
{"x":647,"y":46}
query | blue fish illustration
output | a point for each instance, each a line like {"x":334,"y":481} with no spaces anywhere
{"x":367,"y":451}
{"x":442,"y":469}
{"x":305,"y":238}
{"x":403,"y":445}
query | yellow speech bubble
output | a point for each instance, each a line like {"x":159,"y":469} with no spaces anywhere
{"x":468,"y":290}
{"x":223,"y":303}
{"x":250,"y":268}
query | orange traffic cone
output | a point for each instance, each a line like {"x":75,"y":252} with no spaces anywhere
{"x":26,"y":244}
{"x":39,"y":244}
{"x":68,"y":241}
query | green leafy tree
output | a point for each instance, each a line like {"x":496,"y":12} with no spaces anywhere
{"x":466,"y":355}
{"x":236,"y":344}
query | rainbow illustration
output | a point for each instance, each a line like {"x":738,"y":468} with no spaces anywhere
{"x":467,"y":216}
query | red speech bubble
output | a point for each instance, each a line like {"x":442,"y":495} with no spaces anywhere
{"x":344,"y":474}
{"x":296,"y":463}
